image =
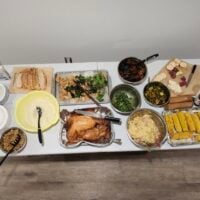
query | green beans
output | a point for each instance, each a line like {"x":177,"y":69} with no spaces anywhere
{"x":124,"y":102}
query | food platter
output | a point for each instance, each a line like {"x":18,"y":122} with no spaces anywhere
{"x":79,"y":130}
{"x":55,"y":135}
{"x":68,"y":92}
{"x":183,"y":126}
{"x":26,"y":79}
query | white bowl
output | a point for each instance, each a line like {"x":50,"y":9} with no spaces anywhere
{"x":3,"y":117}
{"x":3,"y":93}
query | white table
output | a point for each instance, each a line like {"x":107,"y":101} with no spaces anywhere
{"x":51,"y":136}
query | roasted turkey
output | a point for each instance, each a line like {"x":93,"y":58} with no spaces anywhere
{"x":80,"y":127}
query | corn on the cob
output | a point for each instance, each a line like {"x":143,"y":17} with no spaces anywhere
{"x":196,"y":122}
{"x":182,"y":135}
{"x":182,"y":121}
{"x":176,"y":136}
{"x":170,"y":124}
{"x":185,"y":135}
{"x":190,"y":122}
{"x":198,"y":113}
{"x":197,"y":138}
{"x":176,"y":122}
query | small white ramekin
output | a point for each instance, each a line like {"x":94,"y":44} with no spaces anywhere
{"x":3,"y":117}
{"x":3,"y":94}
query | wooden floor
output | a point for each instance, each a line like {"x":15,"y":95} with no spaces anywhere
{"x":156,"y":175}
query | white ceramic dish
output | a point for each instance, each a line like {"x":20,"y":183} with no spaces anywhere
{"x":3,"y":94}
{"x":3,"y":117}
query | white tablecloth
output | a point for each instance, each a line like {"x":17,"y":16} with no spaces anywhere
{"x":51,"y":136}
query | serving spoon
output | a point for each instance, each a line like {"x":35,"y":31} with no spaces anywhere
{"x":39,"y":110}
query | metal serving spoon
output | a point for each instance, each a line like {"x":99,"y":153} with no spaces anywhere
{"x":14,"y":144}
{"x":39,"y":110}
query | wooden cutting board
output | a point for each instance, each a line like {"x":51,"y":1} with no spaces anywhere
{"x":194,"y":85}
{"x":32,"y":81}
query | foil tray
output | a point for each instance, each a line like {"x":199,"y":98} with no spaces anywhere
{"x":193,"y":137}
{"x":63,"y":133}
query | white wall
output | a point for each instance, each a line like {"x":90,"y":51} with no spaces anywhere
{"x":44,"y":31}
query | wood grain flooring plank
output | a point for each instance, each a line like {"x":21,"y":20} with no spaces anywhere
{"x":170,"y":175}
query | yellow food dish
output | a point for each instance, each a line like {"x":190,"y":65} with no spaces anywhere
{"x":26,"y":114}
{"x":183,"y":125}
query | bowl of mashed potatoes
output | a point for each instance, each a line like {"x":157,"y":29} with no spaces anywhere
{"x":146,"y":128}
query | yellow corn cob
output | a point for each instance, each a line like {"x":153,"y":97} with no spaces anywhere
{"x":170,"y":124}
{"x":185,"y":135}
{"x":176,"y":136}
{"x":182,"y":135}
{"x":198,"y":114}
{"x":197,"y":138}
{"x":176,"y":122}
{"x":190,"y":122}
{"x":182,"y":120}
{"x":196,"y":122}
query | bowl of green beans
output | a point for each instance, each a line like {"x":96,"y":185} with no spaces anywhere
{"x":125,"y":98}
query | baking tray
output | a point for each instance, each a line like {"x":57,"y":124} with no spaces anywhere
{"x":188,"y":132}
{"x":79,"y":101}
{"x":63,"y":131}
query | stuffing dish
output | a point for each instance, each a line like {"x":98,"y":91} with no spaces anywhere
{"x":9,"y":136}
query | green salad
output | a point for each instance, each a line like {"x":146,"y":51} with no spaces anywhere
{"x":95,"y":84}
